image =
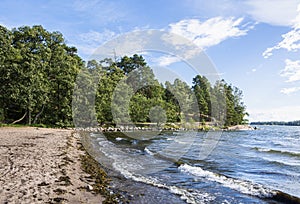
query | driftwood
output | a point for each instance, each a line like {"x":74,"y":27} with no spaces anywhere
{"x":16,"y":121}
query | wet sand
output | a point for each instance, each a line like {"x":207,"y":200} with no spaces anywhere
{"x":39,"y":165}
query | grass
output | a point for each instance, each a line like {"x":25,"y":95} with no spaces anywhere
{"x":36,"y":125}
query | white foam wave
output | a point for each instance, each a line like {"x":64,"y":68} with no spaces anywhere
{"x":119,"y":138}
{"x":193,"y":197}
{"x":260,"y":149}
{"x":127,"y":166}
{"x":242,"y":186}
{"x":148,"y":151}
{"x":278,"y":151}
{"x":93,"y":135}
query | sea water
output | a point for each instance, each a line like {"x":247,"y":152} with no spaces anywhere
{"x":260,"y":166}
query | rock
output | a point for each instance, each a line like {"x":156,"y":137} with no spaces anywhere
{"x":89,"y":187}
{"x":240,"y":127}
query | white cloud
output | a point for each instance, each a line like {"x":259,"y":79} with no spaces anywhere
{"x":291,"y":39}
{"x":274,"y":12}
{"x":285,"y":113}
{"x":101,"y":12}
{"x":210,"y":32}
{"x":291,"y":70}
{"x":93,"y":37}
{"x":292,"y":73}
{"x":90,"y":41}
{"x":288,"y":91}
{"x":290,"y":42}
{"x":203,"y":34}
{"x":166,"y":60}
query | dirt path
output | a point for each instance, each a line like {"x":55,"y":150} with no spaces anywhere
{"x":40,"y":165}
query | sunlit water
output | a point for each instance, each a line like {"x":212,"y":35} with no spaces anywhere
{"x":261,"y":166}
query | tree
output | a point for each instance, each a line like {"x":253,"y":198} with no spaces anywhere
{"x":38,"y":72}
{"x":29,"y":71}
{"x":110,"y":77}
{"x":158,"y":115}
{"x":38,"y":76}
{"x":139,"y":108}
{"x":183,"y":95}
{"x":202,"y":88}
{"x":218,"y":103}
{"x":121,"y":103}
{"x":6,"y":58}
{"x":235,"y":108}
{"x":128,"y":64}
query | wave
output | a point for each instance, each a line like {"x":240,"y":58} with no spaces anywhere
{"x":134,"y":168}
{"x":276,"y":151}
{"x":189,"y":196}
{"x":282,"y":162}
{"x":148,"y":151}
{"x":129,"y":167}
{"x":242,"y":186}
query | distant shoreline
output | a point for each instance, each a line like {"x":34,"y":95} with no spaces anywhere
{"x":289,"y":123}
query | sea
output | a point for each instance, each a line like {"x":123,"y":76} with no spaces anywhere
{"x":251,"y":166}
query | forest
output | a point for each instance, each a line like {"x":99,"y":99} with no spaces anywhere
{"x":289,"y":123}
{"x":38,"y":75}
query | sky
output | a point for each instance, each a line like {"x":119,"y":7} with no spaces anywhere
{"x":253,"y":44}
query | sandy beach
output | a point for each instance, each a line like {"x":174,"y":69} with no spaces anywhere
{"x":39,"y":165}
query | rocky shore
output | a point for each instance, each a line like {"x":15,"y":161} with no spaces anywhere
{"x":141,"y":129}
{"x":241,"y":128}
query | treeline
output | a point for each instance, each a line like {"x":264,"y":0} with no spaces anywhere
{"x":38,"y":75}
{"x":38,"y":71}
{"x":289,"y":123}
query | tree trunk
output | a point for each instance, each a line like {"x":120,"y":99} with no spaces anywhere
{"x":29,"y":116}
{"x":38,"y":115}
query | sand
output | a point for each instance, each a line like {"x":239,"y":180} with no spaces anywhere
{"x":39,"y":165}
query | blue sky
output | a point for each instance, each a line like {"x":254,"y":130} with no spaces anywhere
{"x":254,"y":44}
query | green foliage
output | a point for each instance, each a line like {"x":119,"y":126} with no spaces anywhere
{"x":38,"y":74}
{"x":181,"y":97}
{"x":235,"y":108}
{"x":157,"y":115}
{"x":109,"y":79}
{"x":201,"y":88}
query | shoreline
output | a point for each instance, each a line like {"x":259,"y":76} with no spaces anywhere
{"x":42,"y":165}
{"x":149,"y":129}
